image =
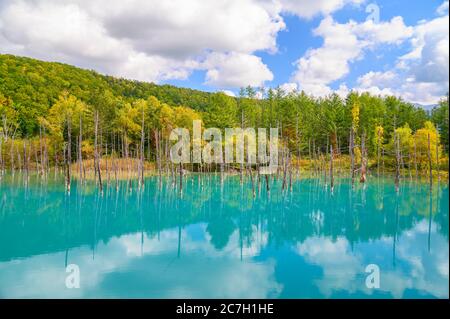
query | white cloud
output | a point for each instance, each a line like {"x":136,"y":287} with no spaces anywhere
{"x":418,"y":269}
{"x":343,"y":44}
{"x":319,"y":67}
{"x":429,"y":59}
{"x":339,"y":265}
{"x":376,"y":91}
{"x":68,"y":28}
{"x":150,"y":269}
{"x":308,"y":9}
{"x":443,"y":8}
{"x":380,"y":79}
{"x":391,"y":32}
{"x":146,"y":40}
{"x":421,"y":75}
{"x":420,"y":92}
{"x":186,"y":28}
{"x":229,"y":93}
{"x":235,"y":70}
{"x":343,"y":90}
{"x":398,"y":84}
{"x":289,"y":87}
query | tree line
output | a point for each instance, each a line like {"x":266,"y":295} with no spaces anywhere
{"x":55,"y":115}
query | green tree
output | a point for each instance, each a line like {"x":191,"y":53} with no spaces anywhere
{"x":440,"y":117}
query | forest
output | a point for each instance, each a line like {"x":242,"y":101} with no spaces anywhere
{"x":57,"y":115}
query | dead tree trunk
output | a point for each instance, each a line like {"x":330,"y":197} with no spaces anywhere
{"x":25,"y":162}
{"x":415,"y":160}
{"x":284,"y":169}
{"x":107,"y":166}
{"x":397,"y":162}
{"x":378,"y":152}
{"x":363,"y":160}
{"x":12,"y":155}
{"x":141,"y":165}
{"x":251,"y":178}
{"x":331,"y":168}
{"x":298,"y":148}
{"x":290,"y":171}
{"x":352,"y":157}
{"x":96,"y":154}
{"x":80,"y":151}
{"x":2,"y":162}
{"x":158,"y":154}
{"x":41,"y":150}
{"x":69,"y":153}
{"x":36,"y":161}
{"x":46,"y":159}
{"x":181,"y":177}
{"x":56,"y":164}
{"x":430,"y":162}
{"x":309,"y":153}
{"x":437,"y":160}
{"x":410,"y":165}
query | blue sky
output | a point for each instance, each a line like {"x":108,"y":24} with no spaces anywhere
{"x":320,"y":46}
{"x":297,"y":38}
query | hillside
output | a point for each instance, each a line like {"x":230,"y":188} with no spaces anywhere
{"x":36,"y":84}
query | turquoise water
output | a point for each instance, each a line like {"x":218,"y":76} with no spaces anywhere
{"x":217,"y":241}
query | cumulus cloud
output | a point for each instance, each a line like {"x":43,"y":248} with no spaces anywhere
{"x":429,"y":59}
{"x":377,"y":83}
{"x":390,"y":32}
{"x":185,"y":28}
{"x":321,"y":66}
{"x":146,"y":40}
{"x":421,"y":75}
{"x":427,"y":64}
{"x":289,"y":87}
{"x":231,"y":70}
{"x":397,"y":84}
{"x":382,"y":79}
{"x":343,"y":43}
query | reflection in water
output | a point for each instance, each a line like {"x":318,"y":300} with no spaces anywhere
{"x":216,"y":240}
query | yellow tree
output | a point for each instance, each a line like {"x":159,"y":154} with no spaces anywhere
{"x":378,"y":138}
{"x":378,"y":141}
{"x":405,"y":137}
{"x":355,"y":116}
{"x":184,"y":117}
{"x":63,"y":117}
{"x":167,"y":119}
{"x":421,"y":140}
{"x":154,"y":110}
{"x":355,"y":125}
{"x":127,"y":119}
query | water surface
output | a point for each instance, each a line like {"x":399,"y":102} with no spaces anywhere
{"x":217,"y":241}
